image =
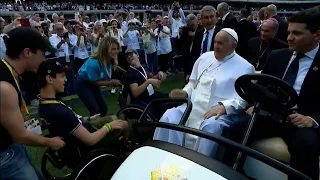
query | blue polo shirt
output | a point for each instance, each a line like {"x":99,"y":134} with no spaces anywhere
{"x":93,"y":70}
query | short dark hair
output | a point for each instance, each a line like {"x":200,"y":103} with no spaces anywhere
{"x":244,"y":13}
{"x":309,"y":17}
{"x":21,"y":38}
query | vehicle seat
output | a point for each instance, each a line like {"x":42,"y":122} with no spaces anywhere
{"x":274,"y":147}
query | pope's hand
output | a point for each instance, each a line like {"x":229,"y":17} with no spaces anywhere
{"x":178,"y":94}
{"x":215,"y":111}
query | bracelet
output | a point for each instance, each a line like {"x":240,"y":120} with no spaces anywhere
{"x":108,"y":127}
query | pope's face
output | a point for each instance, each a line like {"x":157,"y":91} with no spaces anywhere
{"x":223,"y":45}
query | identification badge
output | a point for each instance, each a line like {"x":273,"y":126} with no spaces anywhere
{"x":67,"y":59}
{"x":33,"y":125}
{"x":150,"y":90}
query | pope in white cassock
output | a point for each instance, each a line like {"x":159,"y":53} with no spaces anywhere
{"x":211,"y":89}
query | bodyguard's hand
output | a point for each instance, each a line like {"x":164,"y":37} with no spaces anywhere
{"x":56,"y":143}
{"x":215,"y":111}
{"x":300,"y":120}
{"x":119,"y":125}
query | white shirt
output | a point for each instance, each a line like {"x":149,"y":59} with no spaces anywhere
{"x":124,"y":26}
{"x":133,"y":39}
{"x":81,"y":51}
{"x":150,"y":43}
{"x":304,"y":66}
{"x":64,"y":49}
{"x":163,"y":41}
{"x":118,"y":36}
{"x":225,"y":72}
{"x":211,"y":31}
{"x":176,"y":24}
{"x":2,"y":47}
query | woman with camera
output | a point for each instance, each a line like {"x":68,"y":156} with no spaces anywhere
{"x":81,"y":53}
{"x":149,"y":46}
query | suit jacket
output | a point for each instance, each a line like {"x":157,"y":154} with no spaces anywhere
{"x":309,"y":98}
{"x":196,"y":47}
{"x":282,"y":33}
{"x":230,"y":21}
{"x":254,"y":48}
{"x":245,"y":30}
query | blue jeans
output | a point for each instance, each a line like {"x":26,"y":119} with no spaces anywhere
{"x":15,"y":164}
{"x":91,"y":96}
{"x":153,"y":62}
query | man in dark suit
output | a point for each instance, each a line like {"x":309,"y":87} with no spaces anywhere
{"x":299,"y":67}
{"x":245,"y":30}
{"x":227,"y":18}
{"x":259,"y":47}
{"x":187,"y":34}
{"x":203,"y":38}
{"x":271,"y":12}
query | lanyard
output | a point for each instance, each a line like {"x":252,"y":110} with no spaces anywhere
{"x":144,"y":75}
{"x":44,"y":101}
{"x":108,"y":71}
{"x":24,"y":107}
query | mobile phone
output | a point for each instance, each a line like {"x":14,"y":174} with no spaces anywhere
{"x":65,"y":35}
{"x":25,"y":22}
{"x":142,"y":28}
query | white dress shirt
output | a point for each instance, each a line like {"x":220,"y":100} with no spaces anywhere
{"x":64,"y":49}
{"x":163,"y":42}
{"x":176,"y":24}
{"x":211,"y":31}
{"x":304,"y":66}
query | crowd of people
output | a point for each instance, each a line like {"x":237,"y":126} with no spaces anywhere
{"x":212,"y":48}
{"x":45,"y":6}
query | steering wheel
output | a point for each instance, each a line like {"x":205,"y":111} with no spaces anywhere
{"x":271,"y":92}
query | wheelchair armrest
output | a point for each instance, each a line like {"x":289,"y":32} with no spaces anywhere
{"x":54,"y":159}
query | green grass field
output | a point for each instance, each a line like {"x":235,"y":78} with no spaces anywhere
{"x":171,"y":83}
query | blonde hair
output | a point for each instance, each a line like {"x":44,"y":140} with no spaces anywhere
{"x":95,"y":28}
{"x":103,"y":51}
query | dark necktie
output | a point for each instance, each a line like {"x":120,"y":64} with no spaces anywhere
{"x":205,"y":43}
{"x":292,"y":72}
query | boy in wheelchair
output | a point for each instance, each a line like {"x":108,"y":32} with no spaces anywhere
{"x":79,"y":134}
{"x":141,"y":84}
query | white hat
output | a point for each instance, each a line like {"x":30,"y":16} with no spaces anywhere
{"x":231,"y":32}
{"x":103,"y":21}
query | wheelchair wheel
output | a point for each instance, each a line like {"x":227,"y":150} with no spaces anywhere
{"x":133,"y":112}
{"x":99,"y":165}
{"x":53,"y":168}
